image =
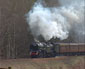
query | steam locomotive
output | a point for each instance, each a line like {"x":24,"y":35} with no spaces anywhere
{"x":45,"y":50}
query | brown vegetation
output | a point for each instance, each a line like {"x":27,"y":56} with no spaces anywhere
{"x":76,"y":62}
{"x":14,"y":37}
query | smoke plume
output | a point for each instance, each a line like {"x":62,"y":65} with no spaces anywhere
{"x":58,"y":22}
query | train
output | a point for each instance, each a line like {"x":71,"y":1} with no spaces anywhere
{"x":45,"y":50}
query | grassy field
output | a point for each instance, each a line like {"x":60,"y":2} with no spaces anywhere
{"x":72,"y":62}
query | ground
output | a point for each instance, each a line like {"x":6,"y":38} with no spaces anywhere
{"x":71,"y":62}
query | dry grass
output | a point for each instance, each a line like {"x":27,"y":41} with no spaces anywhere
{"x":76,"y":62}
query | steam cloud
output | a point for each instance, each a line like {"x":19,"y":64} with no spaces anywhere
{"x":57,"y":22}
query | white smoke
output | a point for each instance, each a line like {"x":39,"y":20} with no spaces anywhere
{"x":56,"y":22}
